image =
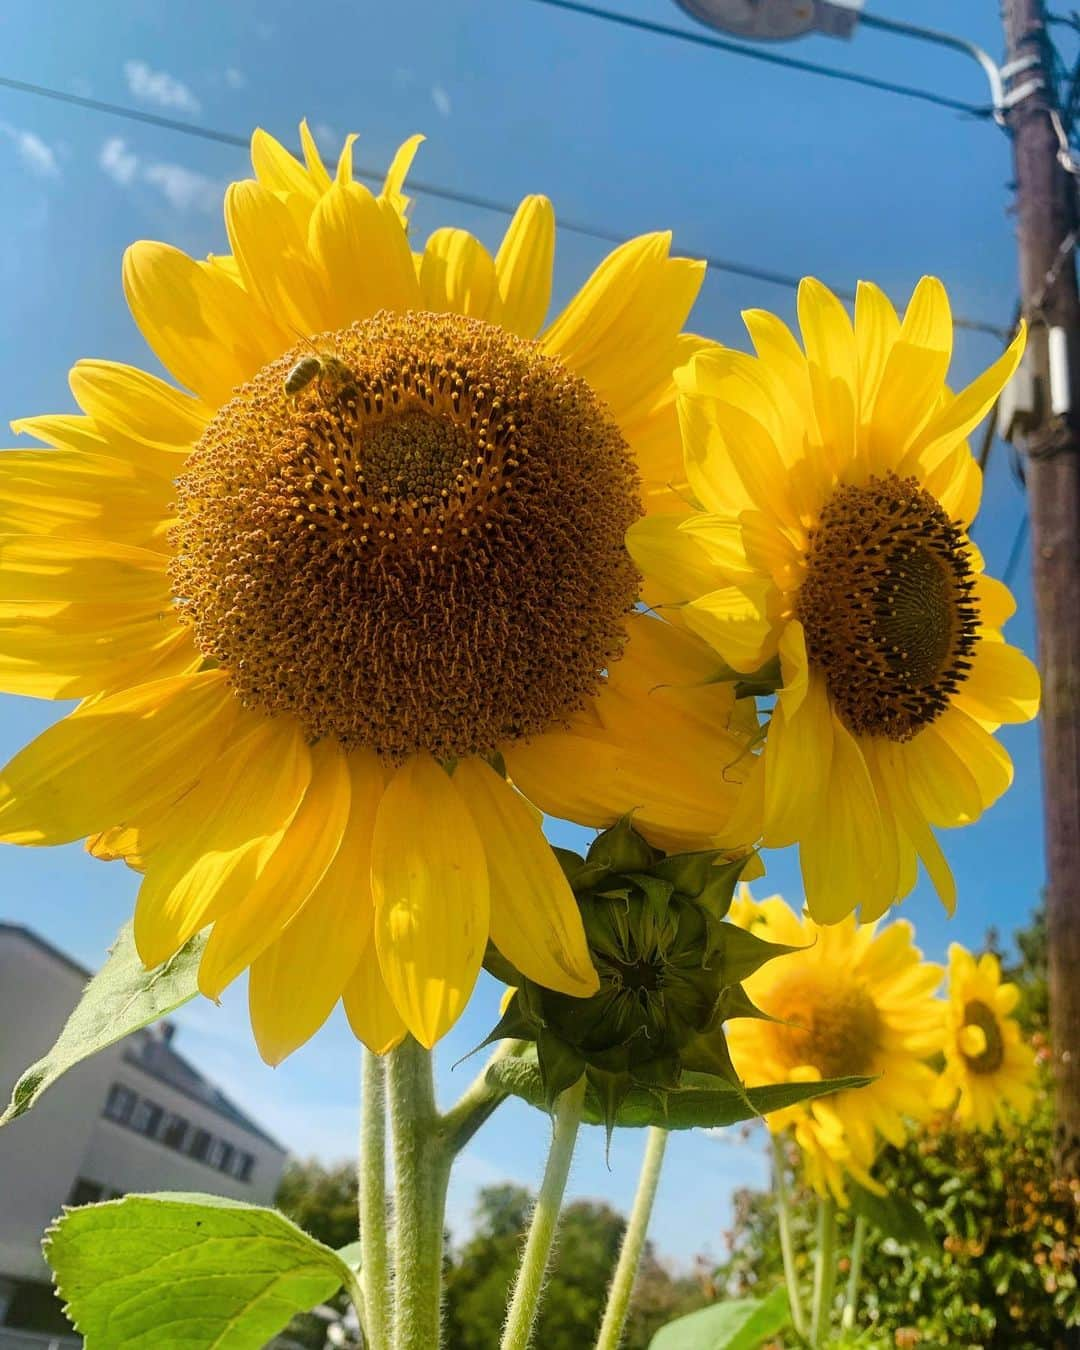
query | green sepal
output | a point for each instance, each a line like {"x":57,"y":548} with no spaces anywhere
{"x":609,"y":1091}
{"x":767,"y":679}
{"x":709,"y":1054}
{"x":570,"y":862}
{"x":736,"y":1002}
{"x":496,"y":964}
{"x":513,"y":1025}
{"x":742,"y":953}
{"x":560,"y":1065}
{"x":719,"y":888}
{"x":621,"y":849}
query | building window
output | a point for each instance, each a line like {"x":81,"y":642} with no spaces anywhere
{"x":85,"y":1192}
{"x":175,"y":1132}
{"x":199,"y":1147}
{"x":119,"y":1104}
{"x":242,"y":1166}
{"x":227,"y":1155}
{"x":146,"y":1117}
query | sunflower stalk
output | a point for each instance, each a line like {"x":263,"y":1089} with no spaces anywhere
{"x":421,"y":1175}
{"x":851,"y":1297}
{"x":633,"y":1243}
{"x":374,"y":1255}
{"x":534,"y":1261}
{"x":824,"y":1271}
{"x":787,"y":1249}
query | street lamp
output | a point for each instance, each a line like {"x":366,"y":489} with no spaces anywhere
{"x":773,"y":19}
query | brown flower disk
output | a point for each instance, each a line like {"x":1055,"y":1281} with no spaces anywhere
{"x":420,"y":549}
{"x":887,"y":606}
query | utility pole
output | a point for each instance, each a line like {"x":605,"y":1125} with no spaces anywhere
{"x":1046,"y":210}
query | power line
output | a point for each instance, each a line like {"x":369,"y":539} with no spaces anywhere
{"x":770,"y":57}
{"x":604,"y":234}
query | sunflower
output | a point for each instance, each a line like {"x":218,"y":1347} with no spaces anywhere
{"x":343,"y":616}
{"x":829,"y":551}
{"x":988,"y":1067}
{"x":855,"y":1000}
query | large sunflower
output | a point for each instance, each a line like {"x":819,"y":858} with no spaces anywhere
{"x":988,"y":1067}
{"x":335,"y":610}
{"x":835,"y":493}
{"x":856,"y":1000}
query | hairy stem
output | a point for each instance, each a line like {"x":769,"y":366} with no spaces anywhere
{"x":824,"y":1271}
{"x":534,"y":1260}
{"x":787,"y":1248}
{"x":851,"y":1298}
{"x":633,"y":1243}
{"x":374,"y":1257}
{"x":421,"y":1175}
{"x":478,"y":1101}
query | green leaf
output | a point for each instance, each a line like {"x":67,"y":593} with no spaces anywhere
{"x":740,"y":1324}
{"x":192,"y":1272}
{"x":703,"y":1100}
{"x":894,"y":1215}
{"x":122,"y":997}
{"x":742,"y":953}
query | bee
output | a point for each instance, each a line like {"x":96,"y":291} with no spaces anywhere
{"x":333,"y":375}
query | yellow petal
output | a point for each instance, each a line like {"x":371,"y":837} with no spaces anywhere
{"x":843,"y":858}
{"x":43,"y":568}
{"x":314,"y":161}
{"x":674,"y":564}
{"x":535,"y":920}
{"x":138,"y":404}
{"x":986,"y":758}
{"x":296,"y":981}
{"x":831,"y":357}
{"x":272,"y":256}
{"x":430,"y":883}
{"x":798,"y":764}
{"x":893,"y":781}
{"x":457,"y":275}
{"x":219,"y":836}
{"x":1002,"y":686}
{"x":914,"y":374}
{"x":523,"y":266}
{"x":370,"y":1009}
{"x":202,"y":327}
{"x":278,"y":171}
{"x":393,"y":186}
{"x":734,"y":620}
{"x":287,"y":878}
{"x":363,"y":254}
{"x":110,"y":759}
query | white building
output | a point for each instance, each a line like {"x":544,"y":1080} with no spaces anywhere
{"x":135,"y":1117}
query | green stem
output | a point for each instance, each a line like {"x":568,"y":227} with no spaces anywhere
{"x":374,"y":1258}
{"x":824,"y":1270}
{"x":851,"y":1299}
{"x":633,"y":1243}
{"x":787,"y":1248}
{"x":478,"y":1101}
{"x":421,"y":1176}
{"x":534,"y":1259}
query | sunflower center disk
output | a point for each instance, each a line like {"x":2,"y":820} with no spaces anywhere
{"x":414,"y":542}
{"x":991,"y":1046}
{"x":837,"y":1030}
{"x":887,"y":606}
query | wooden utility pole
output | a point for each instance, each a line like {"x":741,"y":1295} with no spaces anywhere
{"x":1046,"y":209}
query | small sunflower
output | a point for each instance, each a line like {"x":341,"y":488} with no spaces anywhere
{"x":831,"y":553}
{"x":344,"y":615}
{"x":988,"y":1067}
{"x":856,"y":1000}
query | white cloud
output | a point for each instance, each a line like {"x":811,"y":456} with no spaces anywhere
{"x":158,"y":86}
{"x":235,"y":79}
{"x":183,"y":188}
{"x":37,"y":155}
{"x":120,"y":163}
{"x":326,"y":138}
{"x":441,"y":99}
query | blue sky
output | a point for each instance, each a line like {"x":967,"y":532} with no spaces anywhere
{"x":623,"y":130}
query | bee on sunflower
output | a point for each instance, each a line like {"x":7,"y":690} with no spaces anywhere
{"x":825,"y":550}
{"x":354,"y":602}
{"x":989,"y":1074}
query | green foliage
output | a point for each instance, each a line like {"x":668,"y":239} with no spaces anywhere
{"x":322,"y":1200}
{"x":1002,"y":1271}
{"x":702,"y":1100}
{"x":892,"y":1215}
{"x":479,"y":1277}
{"x":737,"y":1324}
{"x":195,"y":1271}
{"x":122,"y":997}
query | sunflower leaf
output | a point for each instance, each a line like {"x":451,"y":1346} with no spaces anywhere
{"x":738,"y":1324}
{"x":192,"y":1270}
{"x":701,"y":1100}
{"x":122,"y":997}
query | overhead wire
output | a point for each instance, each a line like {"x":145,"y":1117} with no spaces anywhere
{"x":730,"y":266}
{"x":980,"y":110}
